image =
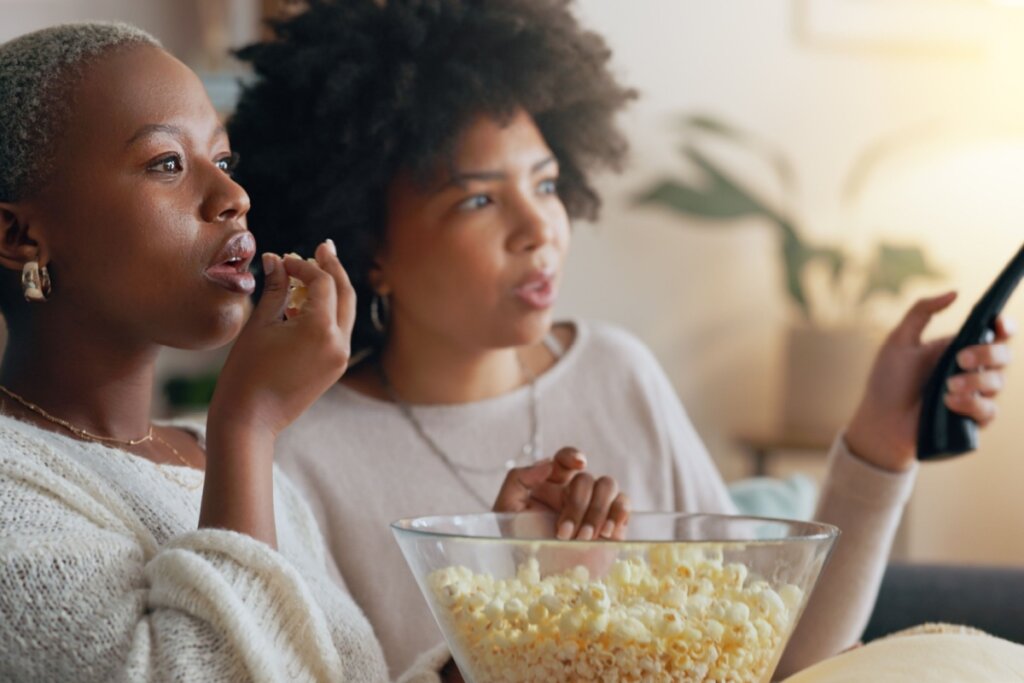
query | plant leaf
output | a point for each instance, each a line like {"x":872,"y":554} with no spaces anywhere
{"x":710,"y":124}
{"x":702,"y":203}
{"x":834,"y":257}
{"x":893,"y":267}
{"x":717,"y":197}
{"x":703,"y":124}
{"x":797,"y":255}
{"x":722,"y":199}
{"x":794,"y":258}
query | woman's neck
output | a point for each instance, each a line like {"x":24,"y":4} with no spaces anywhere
{"x":95,"y":383}
{"x":437,"y":372}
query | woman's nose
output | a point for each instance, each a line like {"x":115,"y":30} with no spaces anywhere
{"x":533,"y":227}
{"x":225,"y":200}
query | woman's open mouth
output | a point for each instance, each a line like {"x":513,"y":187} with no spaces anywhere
{"x":230,"y":266}
{"x":538,"y":291}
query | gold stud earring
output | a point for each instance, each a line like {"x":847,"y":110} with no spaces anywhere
{"x":35,"y":282}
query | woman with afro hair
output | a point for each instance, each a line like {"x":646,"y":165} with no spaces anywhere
{"x":445,"y":146}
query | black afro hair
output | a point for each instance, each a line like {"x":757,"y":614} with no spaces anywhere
{"x":350,"y":92}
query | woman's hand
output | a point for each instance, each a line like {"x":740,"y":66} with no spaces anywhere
{"x":587,"y":508}
{"x":276,"y":369}
{"x":884,"y":428}
{"x":279,"y":367}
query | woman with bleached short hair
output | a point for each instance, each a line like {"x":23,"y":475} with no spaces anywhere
{"x":135,"y":551}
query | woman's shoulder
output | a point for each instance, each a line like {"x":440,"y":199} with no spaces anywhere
{"x":339,"y":407}
{"x":11,"y":428}
{"x":341,"y":421}
{"x":193,"y":424}
{"x":43,"y":472}
{"x":612,"y":345}
{"x":21,"y":442}
{"x":609,"y":358}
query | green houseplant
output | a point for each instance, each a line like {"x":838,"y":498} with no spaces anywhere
{"x":825,"y":365}
{"x":720,"y":197}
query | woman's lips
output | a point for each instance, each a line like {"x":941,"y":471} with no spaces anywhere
{"x":538,"y":292}
{"x":230,"y":268}
{"x":231,"y":278}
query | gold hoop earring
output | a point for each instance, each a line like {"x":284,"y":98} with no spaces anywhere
{"x":379,"y":302}
{"x":35,"y":282}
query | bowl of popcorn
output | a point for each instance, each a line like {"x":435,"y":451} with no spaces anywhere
{"x":683,"y":598}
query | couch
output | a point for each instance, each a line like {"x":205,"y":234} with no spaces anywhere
{"x":988,"y":598}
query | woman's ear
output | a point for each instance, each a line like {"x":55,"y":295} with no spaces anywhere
{"x":19,"y":242}
{"x":377,"y":278}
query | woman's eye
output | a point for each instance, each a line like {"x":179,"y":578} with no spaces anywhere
{"x":168,"y":164}
{"x":549,"y":186}
{"x":229,"y":163}
{"x":477,"y":201}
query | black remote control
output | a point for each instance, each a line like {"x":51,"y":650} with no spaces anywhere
{"x":942,"y":433}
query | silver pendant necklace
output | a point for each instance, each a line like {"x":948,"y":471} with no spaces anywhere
{"x":530,"y":452}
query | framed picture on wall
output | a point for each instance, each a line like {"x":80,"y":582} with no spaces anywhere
{"x":938,"y":28}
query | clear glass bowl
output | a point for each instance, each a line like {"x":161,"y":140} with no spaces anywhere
{"x":683,"y":598}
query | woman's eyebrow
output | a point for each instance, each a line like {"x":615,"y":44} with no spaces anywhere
{"x":167,"y":129}
{"x":460,"y":178}
{"x":153,"y":128}
{"x":542,"y":163}
{"x":219,"y":132}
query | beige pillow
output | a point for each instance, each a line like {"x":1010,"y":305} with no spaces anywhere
{"x":923,"y":658}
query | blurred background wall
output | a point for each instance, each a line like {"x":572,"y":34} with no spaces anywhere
{"x":901,"y":122}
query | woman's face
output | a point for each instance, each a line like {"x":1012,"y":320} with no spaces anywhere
{"x":145,"y":230}
{"x":474,"y":257}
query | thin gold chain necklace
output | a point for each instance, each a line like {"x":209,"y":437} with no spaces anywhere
{"x":84,"y":434}
{"x":530,"y":450}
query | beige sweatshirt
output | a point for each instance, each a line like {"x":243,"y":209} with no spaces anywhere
{"x":104,"y":577}
{"x":362,"y":465}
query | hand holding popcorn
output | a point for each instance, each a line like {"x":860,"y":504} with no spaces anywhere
{"x":298,"y":292}
{"x":277,"y":366}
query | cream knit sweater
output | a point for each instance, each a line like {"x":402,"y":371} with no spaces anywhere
{"x":105,"y":577}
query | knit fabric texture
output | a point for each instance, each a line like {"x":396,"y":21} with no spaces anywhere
{"x":105,"y":577}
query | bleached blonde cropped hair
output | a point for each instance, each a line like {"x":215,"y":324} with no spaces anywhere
{"x":38,"y":72}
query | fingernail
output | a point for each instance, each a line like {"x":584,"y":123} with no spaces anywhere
{"x":608,"y":529}
{"x":965,"y":359}
{"x":1009,"y":325}
{"x":269,"y":263}
{"x":330,"y":245}
{"x":292,"y":254}
{"x":586,"y":533}
{"x":581,"y":460}
{"x":564,"y":532}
